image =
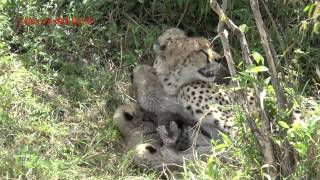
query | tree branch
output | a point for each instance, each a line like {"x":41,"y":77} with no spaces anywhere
{"x":262,"y":136}
{"x":281,"y":99}
{"x":287,"y":162}
{"x":235,"y":29}
{"x":225,"y":42}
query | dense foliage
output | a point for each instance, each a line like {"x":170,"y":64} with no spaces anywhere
{"x":60,"y":84}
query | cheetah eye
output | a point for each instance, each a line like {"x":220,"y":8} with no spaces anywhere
{"x":128,"y":116}
{"x":151,"y":149}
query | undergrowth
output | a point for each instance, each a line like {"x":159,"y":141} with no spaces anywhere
{"x":60,"y":84}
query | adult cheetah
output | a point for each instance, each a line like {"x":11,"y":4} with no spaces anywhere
{"x":190,"y":70}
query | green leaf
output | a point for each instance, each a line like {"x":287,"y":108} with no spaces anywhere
{"x":316,"y":27}
{"x":243,"y":28}
{"x":299,"y":51}
{"x":311,"y":10}
{"x":301,"y":148}
{"x":283,"y":124}
{"x":220,"y":147}
{"x":256,"y":69}
{"x":316,"y":12}
{"x":226,"y":139}
{"x":257,"y":57}
{"x":303,"y":27}
{"x":247,"y":76}
{"x":267,"y":80}
{"x":209,"y":169}
{"x":291,"y":132}
{"x":306,"y":8}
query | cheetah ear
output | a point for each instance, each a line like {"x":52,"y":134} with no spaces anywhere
{"x":128,"y":116}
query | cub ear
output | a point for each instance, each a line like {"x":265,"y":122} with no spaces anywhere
{"x":128,"y":116}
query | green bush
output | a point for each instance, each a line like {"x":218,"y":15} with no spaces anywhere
{"x":60,"y":84}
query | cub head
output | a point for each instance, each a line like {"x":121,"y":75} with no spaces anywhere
{"x":128,"y":118}
{"x":169,"y":34}
{"x":155,"y":157}
{"x":147,"y":155}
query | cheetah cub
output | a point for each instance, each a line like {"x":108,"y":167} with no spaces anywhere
{"x":152,"y":98}
{"x":167,"y":155}
{"x":136,"y":126}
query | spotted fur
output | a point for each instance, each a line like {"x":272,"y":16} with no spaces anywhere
{"x":209,"y":100}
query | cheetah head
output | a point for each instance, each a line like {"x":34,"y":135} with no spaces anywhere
{"x":181,"y":60}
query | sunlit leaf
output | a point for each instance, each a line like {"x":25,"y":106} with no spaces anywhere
{"x":300,"y":147}
{"x":267,"y":80}
{"x":283,"y":124}
{"x":298,"y":51}
{"x":243,"y":28}
{"x":257,"y":57}
{"x":303,"y":27}
{"x":247,"y":76}
{"x":226,"y":139}
{"x":306,"y":8}
{"x":316,"y":27}
{"x":220,"y":147}
{"x":256,"y":69}
{"x":311,"y":10}
{"x":316,"y":12}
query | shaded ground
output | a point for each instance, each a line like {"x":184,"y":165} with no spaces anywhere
{"x":59,"y":85}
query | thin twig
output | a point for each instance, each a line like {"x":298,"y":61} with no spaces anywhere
{"x":225,"y":42}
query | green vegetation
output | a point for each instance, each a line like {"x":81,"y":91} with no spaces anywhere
{"x":60,"y":84}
